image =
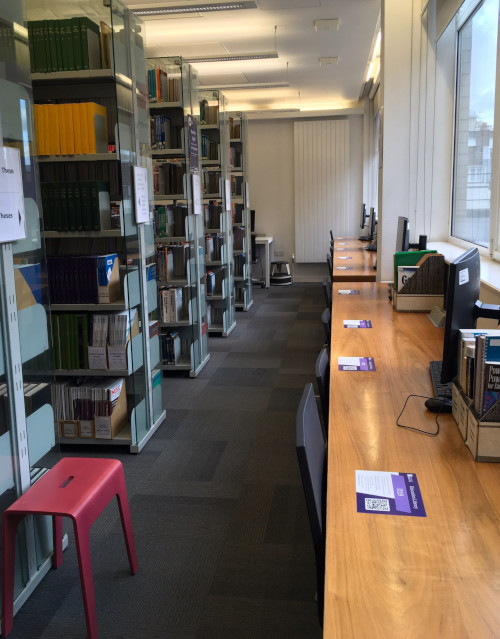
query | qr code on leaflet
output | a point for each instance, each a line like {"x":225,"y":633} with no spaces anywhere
{"x":379,"y":505}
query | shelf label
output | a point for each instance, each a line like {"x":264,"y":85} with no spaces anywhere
{"x":194,"y":164}
{"x":356,"y":364}
{"x":385,"y":493}
{"x":141,"y":194}
{"x":12,"y":215}
{"x":228,"y":194}
{"x":357,"y":324}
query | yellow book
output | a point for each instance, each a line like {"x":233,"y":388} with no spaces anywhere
{"x":97,"y":131}
{"x":63,"y":137}
{"x":53,"y":129}
{"x":67,"y":127}
{"x":44,"y":127}
{"x":77,"y":128}
{"x":38,"y":127}
{"x":84,"y":124}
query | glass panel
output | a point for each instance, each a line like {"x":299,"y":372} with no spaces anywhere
{"x":477,"y":47}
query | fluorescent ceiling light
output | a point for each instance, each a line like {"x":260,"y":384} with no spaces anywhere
{"x":195,"y":8}
{"x":324,"y":61}
{"x":232,"y":57}
{"x":327,"y":24}
{"x":245,"y":87}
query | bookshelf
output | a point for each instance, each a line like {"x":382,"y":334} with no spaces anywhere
{"x":240,"y":210}
{"x":28,"y":446}
{"x":216,"y":187}
{"x":179,"y":232}
{"x":92,"y":138}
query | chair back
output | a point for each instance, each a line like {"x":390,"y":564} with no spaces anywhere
{"x":311,"y":454}
{"x":326,"y":319}
{"x":322,"y":370}
{"x":329,"y":261}
{"x":327,"y":291}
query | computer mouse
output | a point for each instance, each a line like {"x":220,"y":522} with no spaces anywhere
{"x":437,"y":405}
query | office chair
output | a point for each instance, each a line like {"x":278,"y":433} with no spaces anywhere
{"x":322,"y":370}
{"x":329,"y":261}
{"x":311,"y":453}
{"x":327,"y":291}
{"x":326,"y":318}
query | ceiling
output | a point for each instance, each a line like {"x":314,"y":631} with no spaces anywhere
{"x":282,"y":26}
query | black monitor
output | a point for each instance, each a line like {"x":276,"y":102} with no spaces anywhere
{"x":372,"y":223}
{"x":403,"y":234}
{"x":362,"y":222}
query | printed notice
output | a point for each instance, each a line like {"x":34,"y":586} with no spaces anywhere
{"x":12,"y":217}
{"x":385,"y":493}
{"x":345,"y":257}
{"x":348,"y":291}
{"x":356,"y":364}
{"x":141,"y":194}
{"x":344,"y":268}
{"x":357,"y":323}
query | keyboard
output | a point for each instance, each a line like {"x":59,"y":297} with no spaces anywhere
{"x":440,"y":390}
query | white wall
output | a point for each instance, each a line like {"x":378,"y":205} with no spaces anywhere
{"x":271,"y":179}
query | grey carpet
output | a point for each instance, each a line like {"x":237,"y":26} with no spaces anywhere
{"x":219,"y":517}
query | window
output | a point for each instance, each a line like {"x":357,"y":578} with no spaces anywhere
{"x":475,"y":104}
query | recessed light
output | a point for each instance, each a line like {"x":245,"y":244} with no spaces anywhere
{"x":327,"y":24}
{"x":245,"y":87}
{"x":325,"y":61}
{"x":195,"y":8}
{"x":232,"y":57}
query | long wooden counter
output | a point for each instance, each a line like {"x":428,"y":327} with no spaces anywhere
{"x":351,"y":262}
{"x":389,"y":576}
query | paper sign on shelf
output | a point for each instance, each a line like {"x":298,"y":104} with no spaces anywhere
{"x":228,"y":194}
{"x":386,"y":493}
{"x":12,"y":215}
{"x":348,"y":291}
{"x":357,"y":324}
{"x":345,"y":257}
{"x":356,"y":364}
{"x":196,"y":193}
{"x":141,"y":194}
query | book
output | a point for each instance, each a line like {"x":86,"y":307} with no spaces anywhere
{"x":487,"y":350}
{"x":491,"y":392}
{"x":90,"y":44}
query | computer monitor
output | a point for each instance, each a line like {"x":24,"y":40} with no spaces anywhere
{"x":372,"y":223}
{"x":403,"y":234}
{"x":362,"y":222}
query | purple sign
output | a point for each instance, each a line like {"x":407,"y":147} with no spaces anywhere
{"x":193,"y":143}
{"x":386,"y":493}
{"x":356,"y":364}
{"x":348,"y":291}
{"x":357,"y":324}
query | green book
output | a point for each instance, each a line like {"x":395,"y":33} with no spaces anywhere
{"x":44,"y":191}
{"x":54,"y":207}
{"x":66,"y":28}
{"x":39,"y":47}
{"x":85,"y":205}
{"x":56,"y":344}
{"x":64,"y":340}
{"x":51,"y":41}
{"x":77,"y":48}
{"x":70,"y":206}
{"x":85,"y":340}
{"x":31,"y":46}
{"x":90,"y":44}
{"x":63,"y":207}
{"x":77,"y":204}
{"x":75,"y":350}
{"x":47,"y":68}
{"x":57,"y":36}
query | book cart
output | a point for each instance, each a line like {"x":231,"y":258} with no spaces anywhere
{"x":216,"y":192}
{"x":89,"y":74}
{"x":240,"y":210}
{"x":179,"y":233}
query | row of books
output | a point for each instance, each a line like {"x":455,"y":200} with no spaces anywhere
{"x":235,"y":157}
{"x":209,"y":114}
{"x":172,"y":261}
{"x":164,"y":134}
{"x":77,"y":206}
{"x":88,"y":279}
{"x":238,"y":238}
{"x":172,"y":304}
{"x":212,"y":215}
{"x":163,"y":87}
{"x":237,"y":185}
{"x":239,"y":265}
{"x":237,"y":212}
{"x":64,"y":45}
{"x":172,"y":346}
{"x":36,"y":395}
{"x":210,"y":181}
{"x":234,"y":129}
{"x":170,"y":220}
{"x":213,"y":247}
{"x":101,"y":170}
{"x":479,"y":371}
{"x":209,"y":148}
{"x":86,"y":398}
{"x":168,"y":177}
{"x":215,"y":314}
{"x":71,"y":128}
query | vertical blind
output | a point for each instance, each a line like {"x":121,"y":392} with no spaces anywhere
{"x":321,"y":164}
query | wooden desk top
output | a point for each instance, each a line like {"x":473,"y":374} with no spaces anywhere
{"x":388,"y":576}
{"x":359,"y":263}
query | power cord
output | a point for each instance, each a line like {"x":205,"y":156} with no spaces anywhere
{"x":413,"y":428}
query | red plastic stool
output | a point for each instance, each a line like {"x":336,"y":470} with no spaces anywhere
{"x":75,"y":487}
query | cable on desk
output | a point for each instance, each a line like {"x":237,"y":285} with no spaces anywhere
{"x":418,"y":430}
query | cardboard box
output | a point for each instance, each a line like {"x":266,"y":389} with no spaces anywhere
{"x":108,"y":278}
{"x":118,"y":355}
{"x":97,"y":356}
{"x":483,"y":439}
{"x":404,"y":274}
{"x":106,"y":427}
{"x":86,"y":429}
{"x":460,"y":410}
{"x":68,"y":428}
